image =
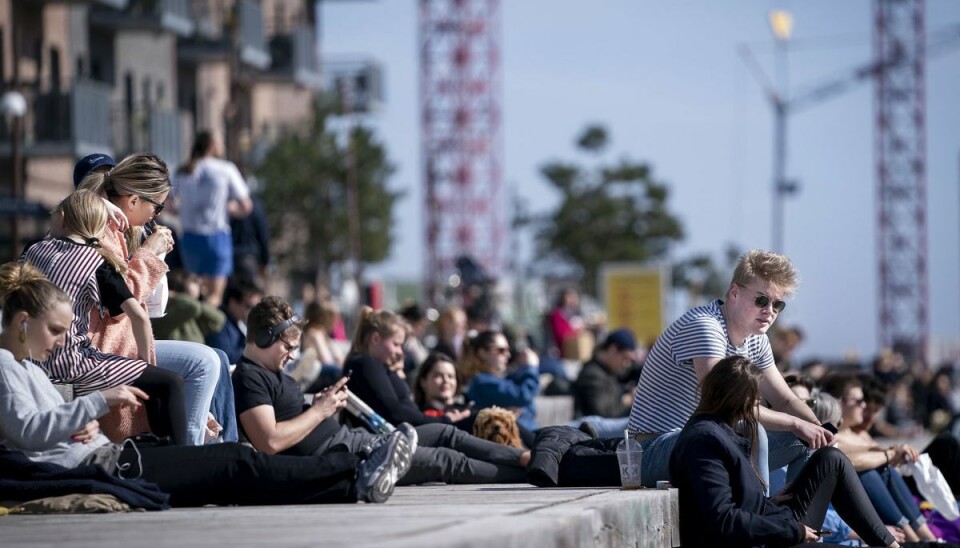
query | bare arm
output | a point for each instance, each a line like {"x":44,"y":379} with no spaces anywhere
{"x":789,"y":413}
{"x":269,"y":436}
{"x":140,"y":323}
{"x":239,"y":208}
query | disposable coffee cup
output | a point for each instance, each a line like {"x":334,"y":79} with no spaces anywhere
{"x":630,"y":458}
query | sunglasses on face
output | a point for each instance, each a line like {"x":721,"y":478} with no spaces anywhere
{"x":157,"y":206}
{"x":762,"y":301}
{"x":502,"y":350}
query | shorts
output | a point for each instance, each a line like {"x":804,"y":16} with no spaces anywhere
{"x":207,"y":254}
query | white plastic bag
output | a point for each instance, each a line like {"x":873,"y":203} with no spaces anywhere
{"x":933,"y":486}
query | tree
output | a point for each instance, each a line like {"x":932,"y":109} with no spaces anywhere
{"x":611,"y":212}
{"x":306,"y":195}
{"x":702,"y":278}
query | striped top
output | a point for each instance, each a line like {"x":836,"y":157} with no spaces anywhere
{"x":668,"y":391}
{"x":73,"y":268}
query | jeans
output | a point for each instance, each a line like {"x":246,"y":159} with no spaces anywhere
{"x":774,"y":449}
{"x":223,"y":406}
{"x":199,"y":366}
{"x":606,"y":427}
{"x":828,"y":476}
{"x":229,"y":473}
{"x":444,"y":453}
{"x":891,"y":497}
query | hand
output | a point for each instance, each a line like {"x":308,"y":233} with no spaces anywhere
{"x":124,"y":396}
{"x":457,"y":416}
{"x":115,"y":215}
{"x":88,"y":433}
{"x":812,"y":434}
{"x":810,"y":535}
{"x":903,"y":453}
{"x":528,"y":357}
{"x":332,"y":398}
{"x":160,"y":242}
{"x":897,"y":533}
{"x":396,"y":364}
{"x":212,"y":429}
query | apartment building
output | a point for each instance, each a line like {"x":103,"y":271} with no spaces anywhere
{"x":120,"y":76}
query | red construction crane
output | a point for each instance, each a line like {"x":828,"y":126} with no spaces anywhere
{"x":461,"y":136}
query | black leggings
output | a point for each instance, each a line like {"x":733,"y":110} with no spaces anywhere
{"x":166,"y":408}
{"x":829,"y":476}
{"x":229,"y":473}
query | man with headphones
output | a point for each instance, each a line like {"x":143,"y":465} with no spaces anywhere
{"x":273,"y":416}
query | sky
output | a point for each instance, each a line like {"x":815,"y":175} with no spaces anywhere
{"x":666,"y":80}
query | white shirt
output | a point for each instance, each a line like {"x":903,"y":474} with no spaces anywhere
{"x":204,"y":195}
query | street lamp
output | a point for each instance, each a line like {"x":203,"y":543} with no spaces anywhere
{"x":781,"y":23}
{"x":13,"y":106}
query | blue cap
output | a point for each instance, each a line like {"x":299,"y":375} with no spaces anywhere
{"x":623,"y":338}
{"x":89,"y":163}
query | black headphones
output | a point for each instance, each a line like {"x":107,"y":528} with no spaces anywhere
{"x":263,"y":339}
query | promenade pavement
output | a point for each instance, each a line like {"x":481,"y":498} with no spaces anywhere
{"x":468,"y":516}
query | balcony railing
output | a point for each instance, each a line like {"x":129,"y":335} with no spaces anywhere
{"x":170,"y":15}
{"x":253,"y":45}
{"x":73,"y":123}
{"x":149,"y":129}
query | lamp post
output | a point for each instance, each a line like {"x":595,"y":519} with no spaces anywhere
{"x":13,"y":106}
{"x":781,"y":23}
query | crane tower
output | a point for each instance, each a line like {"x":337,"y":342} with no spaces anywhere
{"x":461,"y":136}
{"x":900,"y":130}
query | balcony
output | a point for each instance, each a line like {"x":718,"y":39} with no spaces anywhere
{"x":253,"y":45}
{"x":157,"y":130}
{"x":295,"y":54}
{"x":226,"y":28}
{"x":70,"y":124}
{"x":159,"y":15}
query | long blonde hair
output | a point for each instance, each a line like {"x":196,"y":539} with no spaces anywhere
{"x":143,"y":175}
{"x":383,"y":322}
{"x":85,"y":215}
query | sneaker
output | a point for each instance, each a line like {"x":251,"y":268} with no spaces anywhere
{"x":378,"y":474}
{"x":410,"y":440}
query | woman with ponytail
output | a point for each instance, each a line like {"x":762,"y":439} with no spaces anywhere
{"x":140,"y":185}
{"x":722,"y":500}
{"x":375,"y":364}
{"x":91,"y":276}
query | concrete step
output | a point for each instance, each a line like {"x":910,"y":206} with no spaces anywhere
{"x":474,"y":516}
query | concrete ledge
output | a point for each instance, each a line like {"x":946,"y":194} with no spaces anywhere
{"x":481,"y":516}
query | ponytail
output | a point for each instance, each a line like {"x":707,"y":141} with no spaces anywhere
{"x":384,"y":322}
{"x":85,"y":215}
{"x":24,"y":288}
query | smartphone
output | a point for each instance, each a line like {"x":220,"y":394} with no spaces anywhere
{"x":823,"y":533}
{"x":828,"y":426}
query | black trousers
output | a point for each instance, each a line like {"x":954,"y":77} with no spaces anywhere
{"x":829,"y":477}
{"x":230,"y":473}
{"x":944,"y":453}
{"x":166,"y":408}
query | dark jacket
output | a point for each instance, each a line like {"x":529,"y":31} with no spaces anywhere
{"x":566,"y":457}
{"x":229,"y":339}
{"x":598,"y":391}
{"x":385,"y":392}
{"x":722,"y":501}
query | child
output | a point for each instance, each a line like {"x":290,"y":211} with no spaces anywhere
{"x":74,"y":261}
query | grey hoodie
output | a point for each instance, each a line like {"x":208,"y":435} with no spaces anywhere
{"x":34,"y":418}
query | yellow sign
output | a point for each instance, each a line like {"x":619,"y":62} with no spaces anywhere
{"x":635,"y":297}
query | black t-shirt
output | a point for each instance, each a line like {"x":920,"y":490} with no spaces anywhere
{"x":385,"y":392}
{"x":254,"y":386}
{"x":113,"y":289}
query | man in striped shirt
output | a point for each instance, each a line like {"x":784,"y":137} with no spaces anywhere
{"x":669,"y":388}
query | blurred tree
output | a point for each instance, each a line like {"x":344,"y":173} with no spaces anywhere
{"x":305,"y":176}
{"x":611,"y":212}
{"x":700,"y":276}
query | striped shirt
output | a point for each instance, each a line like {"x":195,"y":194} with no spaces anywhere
{"x":668,"y":391}
{"x":72,"y":267}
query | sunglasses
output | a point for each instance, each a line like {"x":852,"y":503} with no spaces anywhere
{"x":157,"y":206}
{"x":502,"y":350}
{"x":762,"y":301}
{"x":290,"y":347}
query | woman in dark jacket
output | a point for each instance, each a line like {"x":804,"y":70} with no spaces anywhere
{"x":722,"y":500}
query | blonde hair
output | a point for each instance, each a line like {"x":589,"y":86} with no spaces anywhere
{"x":143,"y":175}
{"x":384,"y":322}
{"x":768,"y":266}
{"x":24,"y":287}
{"x":85,"y":215}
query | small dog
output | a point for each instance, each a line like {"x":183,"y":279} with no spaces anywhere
{"x":498,"y":425}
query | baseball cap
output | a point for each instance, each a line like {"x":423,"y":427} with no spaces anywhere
{"x":89,"y":163}
{"x":623,"y":338}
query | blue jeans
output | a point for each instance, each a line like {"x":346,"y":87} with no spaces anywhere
{"x":891,"y":497}
{"x":223,"y":406}
{"x":776,"y":449}
{"x":779,"y":449}
{"x":199,"y":366}
{"x":605,"y":427}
